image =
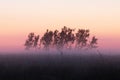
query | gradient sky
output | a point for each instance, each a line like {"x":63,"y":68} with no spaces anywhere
{"x":19,"y":17}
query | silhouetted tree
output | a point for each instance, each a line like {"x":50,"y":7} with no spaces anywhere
{"x":70,"y":38}
{"x":65,"y":38}
{"x":82,"y":37}
{"x":46,"y":40}
{"x":29,"y":42}
{"x":93,"y":42}
{"x":36,"y":38}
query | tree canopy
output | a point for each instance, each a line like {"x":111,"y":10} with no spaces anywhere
{"x":66,"y":38}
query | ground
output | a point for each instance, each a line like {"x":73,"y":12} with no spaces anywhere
{"x":49,"y":66}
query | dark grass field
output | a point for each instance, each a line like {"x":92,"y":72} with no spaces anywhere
{"x":59,"y":67}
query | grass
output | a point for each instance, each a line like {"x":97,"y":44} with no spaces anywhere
{"x":47,"y":66}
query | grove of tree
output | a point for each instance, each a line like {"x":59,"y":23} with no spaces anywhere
{"x":66,"y":38}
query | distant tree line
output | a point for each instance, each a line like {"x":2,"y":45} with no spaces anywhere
{"x":66,"y":38}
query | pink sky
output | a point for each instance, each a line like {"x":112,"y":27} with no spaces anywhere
{"x":18,"y":18}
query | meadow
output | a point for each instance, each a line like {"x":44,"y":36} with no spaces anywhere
{"x":54,"y":66}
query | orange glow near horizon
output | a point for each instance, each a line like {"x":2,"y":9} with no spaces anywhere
{"x":18,"y":18}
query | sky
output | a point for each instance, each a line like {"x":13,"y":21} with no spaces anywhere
{"x":20,"y":17}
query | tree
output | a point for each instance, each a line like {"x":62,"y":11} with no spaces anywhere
{"x":82,"y":37}
{"x":66,"y":38}
{"x":29,"y":42}
{"x":36,"y":38}
{"x":47,"y":39}
{"x":93,"y":42}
